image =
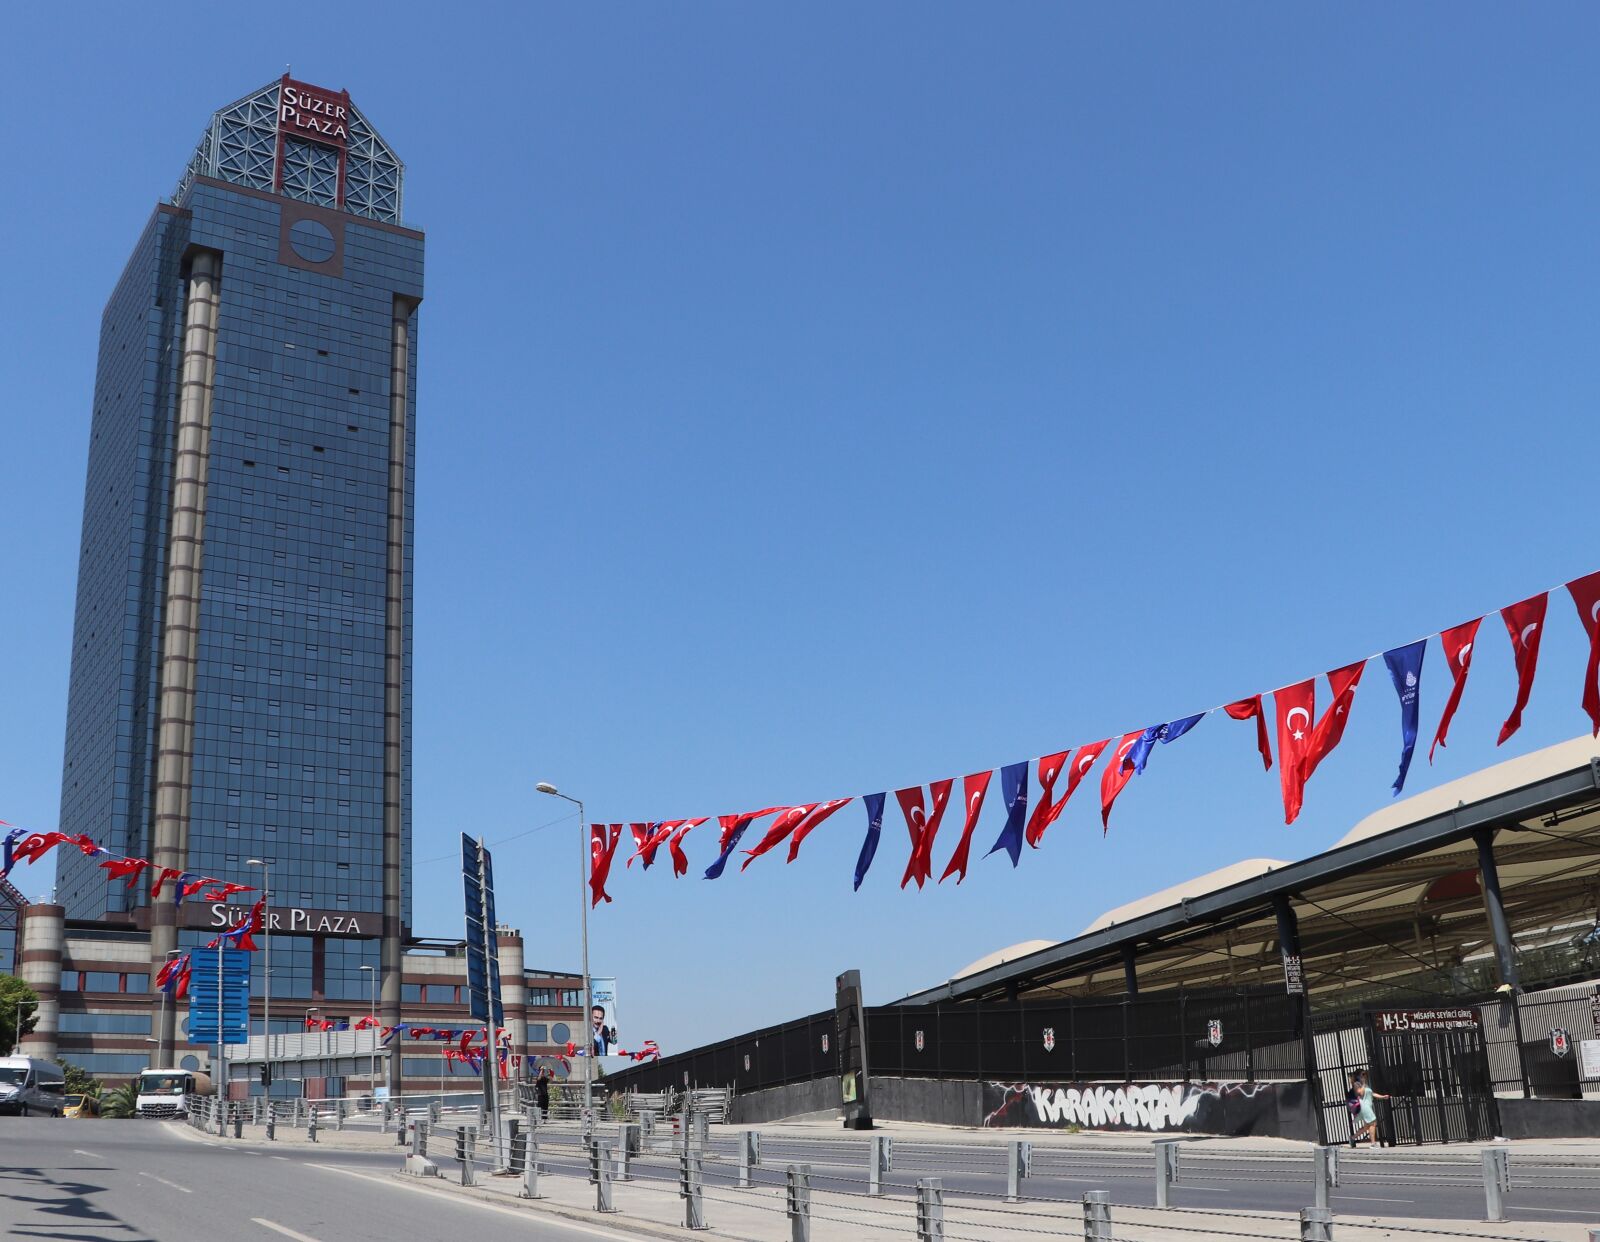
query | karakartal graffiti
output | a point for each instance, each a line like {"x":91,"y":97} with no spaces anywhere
{"x":1198,"y":1107}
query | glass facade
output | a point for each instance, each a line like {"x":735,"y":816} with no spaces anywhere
{"x":289,"y":676}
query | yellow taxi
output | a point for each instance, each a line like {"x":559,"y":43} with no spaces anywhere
{"x":80,"y":1106}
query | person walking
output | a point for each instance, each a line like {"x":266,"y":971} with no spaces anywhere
{"x":1366,"y":1113}
{"x":541,"y":1094}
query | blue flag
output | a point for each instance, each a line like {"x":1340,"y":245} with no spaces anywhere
{"x":1405,"y":670}
{"x":869,"y":847}
{"x":1014,"y":789}
{"x":1169,"y":732}
{"x":714,"y":871}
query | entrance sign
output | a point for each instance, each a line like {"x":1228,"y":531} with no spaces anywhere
{"x":1294,"y":980}
{"x":203,"y":993}
{"x":1463,"y":1019}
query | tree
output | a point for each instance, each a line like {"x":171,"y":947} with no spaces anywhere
{"x":15,"y":994}
{"x":120,"y":1101}
{"x":79,"y":1080}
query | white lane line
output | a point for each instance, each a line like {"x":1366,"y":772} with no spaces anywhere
{"x":283,"y":1229}
{"x":78,"y":1151}
{"x":1523,"y":1207}
{"x":526,"y":1216}
{"x":273,"y":1157}
{"x":165,"y":1182}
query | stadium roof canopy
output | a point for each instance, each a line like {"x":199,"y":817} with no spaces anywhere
{"x":1396,"y":905}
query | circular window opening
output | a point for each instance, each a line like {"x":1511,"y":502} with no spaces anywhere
{"x":559,"y":1033}
{"x":311,"y":240}
{"x":190,"y":1062}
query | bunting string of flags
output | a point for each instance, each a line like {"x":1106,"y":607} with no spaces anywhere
{"x":1304,"y":739}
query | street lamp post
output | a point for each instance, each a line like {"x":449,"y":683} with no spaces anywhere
{"x":372,"y":1069}
{"x":309,"y":1011}
{"x":266,"y":962}
{"x":545,"y":787}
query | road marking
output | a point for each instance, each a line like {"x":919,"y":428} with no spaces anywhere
{"x":165,"y":1182}
{"x":1522,"y":1207}
{"x":283,"y":1229}
{"x":524,"y":1215}
{"x":78,"y":1151}
{"x":279,"y":1157}
{"x":1372,"y":1199}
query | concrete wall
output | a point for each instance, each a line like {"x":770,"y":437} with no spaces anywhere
{"x":795,"y":1100}
{"x":946,"y":1102}
{"x":1550,"y":1118}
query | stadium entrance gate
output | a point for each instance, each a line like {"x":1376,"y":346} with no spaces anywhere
{"x":1432,"y":1064}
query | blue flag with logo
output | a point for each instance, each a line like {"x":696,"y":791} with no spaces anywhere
{"x":1405,"y":670}
{"x":869,"y":847}
{"x":714,"y":871}
{"x":1014,"y":789}
{"x":1169,"y":732}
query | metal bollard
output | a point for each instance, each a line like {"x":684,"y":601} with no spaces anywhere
{"x":601,"y":1165}
{"x":435,"y":1112}
{"x":402,"y":1125}
{"x":238,"y":1123}
{"x":702,"y":1130}
{"x":930,"y":1210}
{"x":1324,"y":1175}
{"x":422,"y":1137}
{"x":416,"y":1139}
{"x":1496,"y":1181}
{"x":799,"y":1202}
{"x":311,"y":1126}
{"x":1097,"y":1216}
{"x":1316,"y":1225}
{"x":749,"y":1157}
{"x":383,"y":1120}
{"x":627,"y":1148}
{"x":880,"y":1161}
{"x":272,"y":1126}
{"x":466,"y":1142}
{"x":1019,"y":1156}
{"x":338,"y":1115}
{"x":691,"y":1186}
{"x":1166,"y":1171}
{"x":530,"y":1164}
{"x":222,"y":1119}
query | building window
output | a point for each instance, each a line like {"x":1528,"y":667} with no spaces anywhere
{"x":538,"y":1033}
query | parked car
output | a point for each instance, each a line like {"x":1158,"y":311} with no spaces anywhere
{"x":28,"y":1085}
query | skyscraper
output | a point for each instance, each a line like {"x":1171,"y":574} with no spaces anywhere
{"x":241,"y":660}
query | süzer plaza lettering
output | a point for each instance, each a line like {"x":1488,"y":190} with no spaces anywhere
{"x":291,"y":920}
{"x":322,"y":118}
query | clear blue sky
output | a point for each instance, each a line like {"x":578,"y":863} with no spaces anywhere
{"x":818,"y":401}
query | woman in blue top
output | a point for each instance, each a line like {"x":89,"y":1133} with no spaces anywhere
{"x":1366,"y":1117}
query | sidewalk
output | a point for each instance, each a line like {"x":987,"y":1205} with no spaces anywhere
{"x":650,"y":1206}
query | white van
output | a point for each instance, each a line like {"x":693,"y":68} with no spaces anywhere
{"x":28,"y":1086}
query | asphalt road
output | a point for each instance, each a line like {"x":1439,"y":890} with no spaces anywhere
{"x":139,"y":1181}
{"x":1381,"y":1184}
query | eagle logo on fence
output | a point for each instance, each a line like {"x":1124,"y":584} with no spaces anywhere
{"x":1049,"y":1039}
{"x":824,"y":1041}
{"x":919,"y":1041}
{"x":1214,"y":1032}
{"x":1560,"y":1041}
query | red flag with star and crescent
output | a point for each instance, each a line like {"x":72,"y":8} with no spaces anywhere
{"x":1248,"y":709}
{"x":1330,"y":729}
{"x":780,"y":829}
{"x":923,"y":826}
{"x":1525,"y":624}
{"x":1116,"y":777}
{"x":1457,"y":642}
{"x":809,"y":825}
{"x":973,"y":790}
{"x":1046,"y":809}
{"x":1294,"y":705}
{"x":1585,"y":594}
{"x":603,"y":840}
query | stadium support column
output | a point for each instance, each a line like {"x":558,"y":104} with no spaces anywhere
{"x":180,"y":618}
{"x":1130,"y":969}
{"x":394,"y":667}
{"x":43,"y":938}
{"x":1294,"y":984}
{"x":1504,"y":951}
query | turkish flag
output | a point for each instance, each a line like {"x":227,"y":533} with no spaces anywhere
{"x":1081,"y":763}
{"x":31,"y":849}
{"x":810,"y":824}
{"x":781,"y":827}
{"x":1525,"y":623}
{"x":923,"y":827}
{"x":1585,"y":594}
{"x":194,"y":886}
{"x":602,"y":848}
{"x":1247,"y":709}
{"x":1330,"y":729}
{"x":162,"y":876}
{"x":1457,"y":643}
{"x":1116,"y":777}
{"x":680,"y":860}
{"x":1045,"y":811}
{"x":640,"y":834}
{"x":131,"y":868}
{"x":1294,"y":705}
{"x":973,"y":789}
{"x":659,"y":835}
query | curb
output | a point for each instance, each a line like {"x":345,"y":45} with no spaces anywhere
{"x":617,"y":1221}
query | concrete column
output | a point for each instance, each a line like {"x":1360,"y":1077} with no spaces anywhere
{"x":513,"y":992}
{"x":394,"y":666}
{"x":180,"y":620}
{"x":43,"y":935}
{"x":1504,"y":952}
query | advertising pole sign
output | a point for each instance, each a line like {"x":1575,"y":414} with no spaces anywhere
{"x":602,"y":1016}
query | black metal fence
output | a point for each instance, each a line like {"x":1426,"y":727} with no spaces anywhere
{"x":1241,"y":1036}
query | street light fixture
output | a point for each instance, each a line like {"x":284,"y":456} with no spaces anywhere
{"x":372,"y":1069}
{"x":266,"y":962}
{"x":545,"y":787}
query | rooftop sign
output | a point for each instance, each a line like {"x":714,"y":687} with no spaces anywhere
{"x":314,"y":112}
